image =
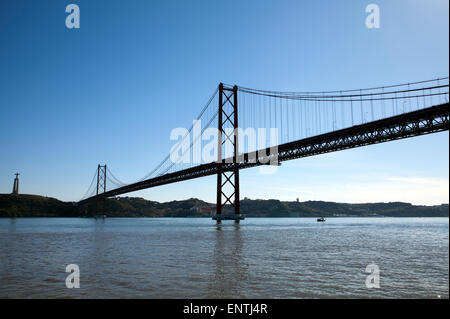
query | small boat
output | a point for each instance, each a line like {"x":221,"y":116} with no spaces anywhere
{"x":321,"y":220}
{"x":100,"y":216}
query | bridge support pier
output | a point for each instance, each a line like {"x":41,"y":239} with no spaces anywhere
{"x":101,"y":188}
{"x":228,"y":181}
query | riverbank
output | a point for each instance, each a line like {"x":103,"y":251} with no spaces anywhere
{"x":40,"y":206}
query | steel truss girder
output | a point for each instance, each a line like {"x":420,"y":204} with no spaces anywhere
{"x":430,"y":120}
{"x":416,"y":123}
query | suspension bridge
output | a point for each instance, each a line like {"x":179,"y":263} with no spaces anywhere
{"x":301,"y":124}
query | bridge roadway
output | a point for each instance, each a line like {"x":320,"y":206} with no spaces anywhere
{"x":425,"y":121}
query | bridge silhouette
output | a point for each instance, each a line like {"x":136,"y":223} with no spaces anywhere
{"x":301,"y":124}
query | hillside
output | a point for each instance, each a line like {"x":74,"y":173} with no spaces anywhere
{"x":39,"y":206}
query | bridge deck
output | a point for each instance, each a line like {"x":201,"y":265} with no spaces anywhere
{"x":430,"y":120}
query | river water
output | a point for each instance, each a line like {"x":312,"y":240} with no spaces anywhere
{"x":195,"y":258}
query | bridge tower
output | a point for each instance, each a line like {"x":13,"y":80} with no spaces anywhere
{"x":16,"y":184}
{"x":101,"y":188}
{"x":228,"y":180}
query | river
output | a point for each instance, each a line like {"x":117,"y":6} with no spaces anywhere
{"x":195,"y":258}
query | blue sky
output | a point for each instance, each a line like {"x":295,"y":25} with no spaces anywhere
{"x":112,"y":91}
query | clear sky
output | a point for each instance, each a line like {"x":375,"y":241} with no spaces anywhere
{"x":112,"y":91}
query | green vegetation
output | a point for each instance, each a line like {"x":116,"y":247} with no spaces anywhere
{"x":34,"y":206}
{"x":270,"y":208}
{"x":38,"y":206}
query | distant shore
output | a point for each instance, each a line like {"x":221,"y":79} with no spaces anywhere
{"x":40,"y":206}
